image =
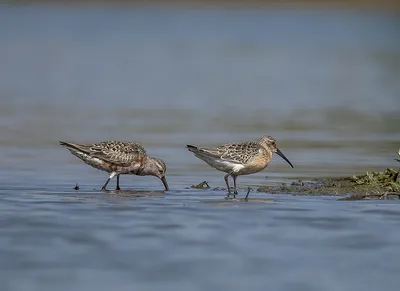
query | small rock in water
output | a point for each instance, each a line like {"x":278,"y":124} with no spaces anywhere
{"x":297,"y":183}
{"x":202,"y":185}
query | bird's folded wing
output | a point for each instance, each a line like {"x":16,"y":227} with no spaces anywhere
{"x":118,"y":153}
{"x":234,"y":152}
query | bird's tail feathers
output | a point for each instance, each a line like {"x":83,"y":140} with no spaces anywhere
{"x":69,"y":145}
{"x":192,"y":148}
{"x":74,"y":147}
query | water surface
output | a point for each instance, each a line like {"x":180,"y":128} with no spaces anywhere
{"x":324,"y":83}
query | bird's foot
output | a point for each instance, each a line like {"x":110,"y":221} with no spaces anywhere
{"x":247,"y":194}
{"x":228,"y":196}
{"x":117,"y":189}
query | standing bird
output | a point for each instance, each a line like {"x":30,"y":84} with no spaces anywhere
{"x":119,"y":157}
{"x":241,"y":158}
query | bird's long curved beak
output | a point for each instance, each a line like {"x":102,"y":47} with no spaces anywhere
{"x":283,"y":157}
{"x":165,"y":183}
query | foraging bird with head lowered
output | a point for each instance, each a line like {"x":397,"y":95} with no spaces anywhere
{"x":242,"y":158}
{"x":118,"y":158}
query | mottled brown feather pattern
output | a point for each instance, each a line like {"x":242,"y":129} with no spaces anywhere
{"x":119,"y":157}
{"x":116,"y":156}
{"x":241,"y":152}
{"x":233,"y":152}
{"x":121,"y":153}
{"x":240,"y":158}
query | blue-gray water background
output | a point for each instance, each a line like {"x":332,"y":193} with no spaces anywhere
{"x":325,"y":83}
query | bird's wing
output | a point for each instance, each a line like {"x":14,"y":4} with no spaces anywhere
{"x":117,"y":152}
{"x":234,"y":152}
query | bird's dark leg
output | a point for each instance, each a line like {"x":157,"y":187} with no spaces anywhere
{"x":227,"y":183}
{"x":247,"y":195}
{"x":108,"y":180}
{"x":105,"y":184}
{"x":234,"y":185}
{"x":117,"y":183}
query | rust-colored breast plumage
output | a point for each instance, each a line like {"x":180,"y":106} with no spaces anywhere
{"x":261,"y":160}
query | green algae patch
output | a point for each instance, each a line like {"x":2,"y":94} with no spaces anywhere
{"x":377,"y":185}
{"x":386,"y":181}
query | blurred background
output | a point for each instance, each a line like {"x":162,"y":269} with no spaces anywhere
{"x":322,"y":77}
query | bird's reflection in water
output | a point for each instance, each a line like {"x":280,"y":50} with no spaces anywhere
{"x":235,"y":202}
{"x":134,"y":193}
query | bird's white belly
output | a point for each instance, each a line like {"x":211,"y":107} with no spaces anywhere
{"x":224,"y":166}
{"x":235,"y":168}
{"x":240,"y":169}
{"x":231,"y":167}
{"x":92,"y":161}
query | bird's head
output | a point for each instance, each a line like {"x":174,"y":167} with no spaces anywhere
{"x":156,"y":167}
{"x":269,"y":143}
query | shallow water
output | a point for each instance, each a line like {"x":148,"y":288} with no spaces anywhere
{"x":324,"y":83}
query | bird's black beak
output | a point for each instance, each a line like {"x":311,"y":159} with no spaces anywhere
{"x":283,"y":157}
{"x":165,"y":183}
